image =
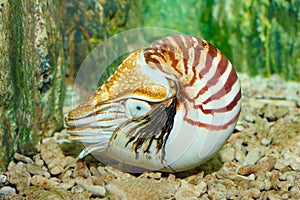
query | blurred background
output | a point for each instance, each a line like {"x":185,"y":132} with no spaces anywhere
{"x":259,"y":37}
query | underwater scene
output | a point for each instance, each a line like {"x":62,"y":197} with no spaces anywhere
{"x":161,"y":99}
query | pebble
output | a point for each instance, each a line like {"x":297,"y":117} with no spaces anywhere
{"x":96,"y":190}
{"x":36,"y":170}
{"x":253,"y":156}
{"x":187,"y":191}
{"x":38,"y":180}
{"x":201,"y":187}
{"x":3,"y":178}
{"x":266,"y":165}
{"x":53,"y":156}
{"x":20,"y":157}
{"x":94,"y":171}
{"x":7,"y":190}
{"x":272,"y":111}
{"x":251,"y":193}
{"x":227,"y":154}
{"x":141,"y":188}
{"x":66,"y":174}
{"x":265,"y":141}
{"x":38,"y":160}
{"x":67,"y":184}
{"x":81,"y":170}
{"x":19,"y":176}
{"x":77,"y":189}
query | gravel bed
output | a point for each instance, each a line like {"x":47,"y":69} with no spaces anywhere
{"x":261,"y":160}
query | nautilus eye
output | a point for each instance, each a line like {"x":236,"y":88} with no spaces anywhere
{"x":182,"y":101}
{"x":136,"y":108}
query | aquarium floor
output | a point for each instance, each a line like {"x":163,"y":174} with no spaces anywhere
{"x":261,"y":160}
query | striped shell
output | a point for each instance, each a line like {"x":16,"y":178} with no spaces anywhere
{"x":168,"y":107}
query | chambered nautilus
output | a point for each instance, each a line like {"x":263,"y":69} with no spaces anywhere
{"x":168,"y":107}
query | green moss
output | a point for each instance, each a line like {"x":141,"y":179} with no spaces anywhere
{"x":259,"y":37}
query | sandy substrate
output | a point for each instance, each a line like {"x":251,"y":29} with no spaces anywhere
{"x":261,"y":160}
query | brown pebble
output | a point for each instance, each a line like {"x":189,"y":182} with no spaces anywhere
{"x":263,"y":166}
{"x":38,"y":180}
{"x":81,"y":170}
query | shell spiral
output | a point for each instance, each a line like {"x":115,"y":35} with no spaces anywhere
{"x":176,"y":103}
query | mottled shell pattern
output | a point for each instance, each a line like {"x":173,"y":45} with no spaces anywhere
{"x":168,"y":107}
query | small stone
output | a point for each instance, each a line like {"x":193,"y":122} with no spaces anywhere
{"x":55,"y":179}
{"x":35,"y":169}
{"x":55,"y":170}
{"x":117,"y":173}
{"x":67,"y":160}
{"x":67,"y":184}
{"x":250,"y":118}
{"x":253,"y":156}
{"x":143,"y":188}
{"x":81,"y":196}
{"x":265,"y":141}
{"x":81,"y":170}
{"x":67,"y":174}
{"x":38,"y":180}
{"x":38,"y":160}
{"x":216,"y":190}
{"x":252,"y":193}
{"x":201,"y":187}
{"x":227,"y":154}
{"x":186,"y":191}
{"x":20,"y":157}
{"x":96,"y":190}
{"x":11,"y":165}
{"x":272,"y":112}
{"x":7,"y":190}
{"x":171,"y":178}
{"x":19,"y":176}
{"x":102,"y":171}
{"x":267,"y":165}
{"x":53,"y":156}
{"x":94,"y":171}
{"x":280,"y":164}
{"x":77,"y":189}
{"x":3,"y":178}
{"x":291,"y":176}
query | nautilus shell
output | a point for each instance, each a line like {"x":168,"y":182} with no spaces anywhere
{"x":168,"y":107}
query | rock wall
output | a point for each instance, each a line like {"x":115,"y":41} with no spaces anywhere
{"x":31,"y":74}
{"x":86,"y":24}
{"x":39,"y":41}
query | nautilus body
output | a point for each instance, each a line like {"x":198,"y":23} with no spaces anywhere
{"x":168,"y":107}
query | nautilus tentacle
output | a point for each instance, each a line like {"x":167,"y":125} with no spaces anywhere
{"x":168,"y":107}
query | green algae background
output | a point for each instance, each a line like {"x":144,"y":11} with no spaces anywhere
{"x":258,"y":36}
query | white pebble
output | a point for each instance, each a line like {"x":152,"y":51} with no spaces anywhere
{"x":7,"y":190}
{"x":253,"y":156}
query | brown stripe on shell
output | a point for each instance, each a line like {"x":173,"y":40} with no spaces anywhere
{"x":227,"y":108}
{"x":211,"y":126}
{"x":212,"y":52}
{"x":231,"y":79}
{"x":197,"y":54}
